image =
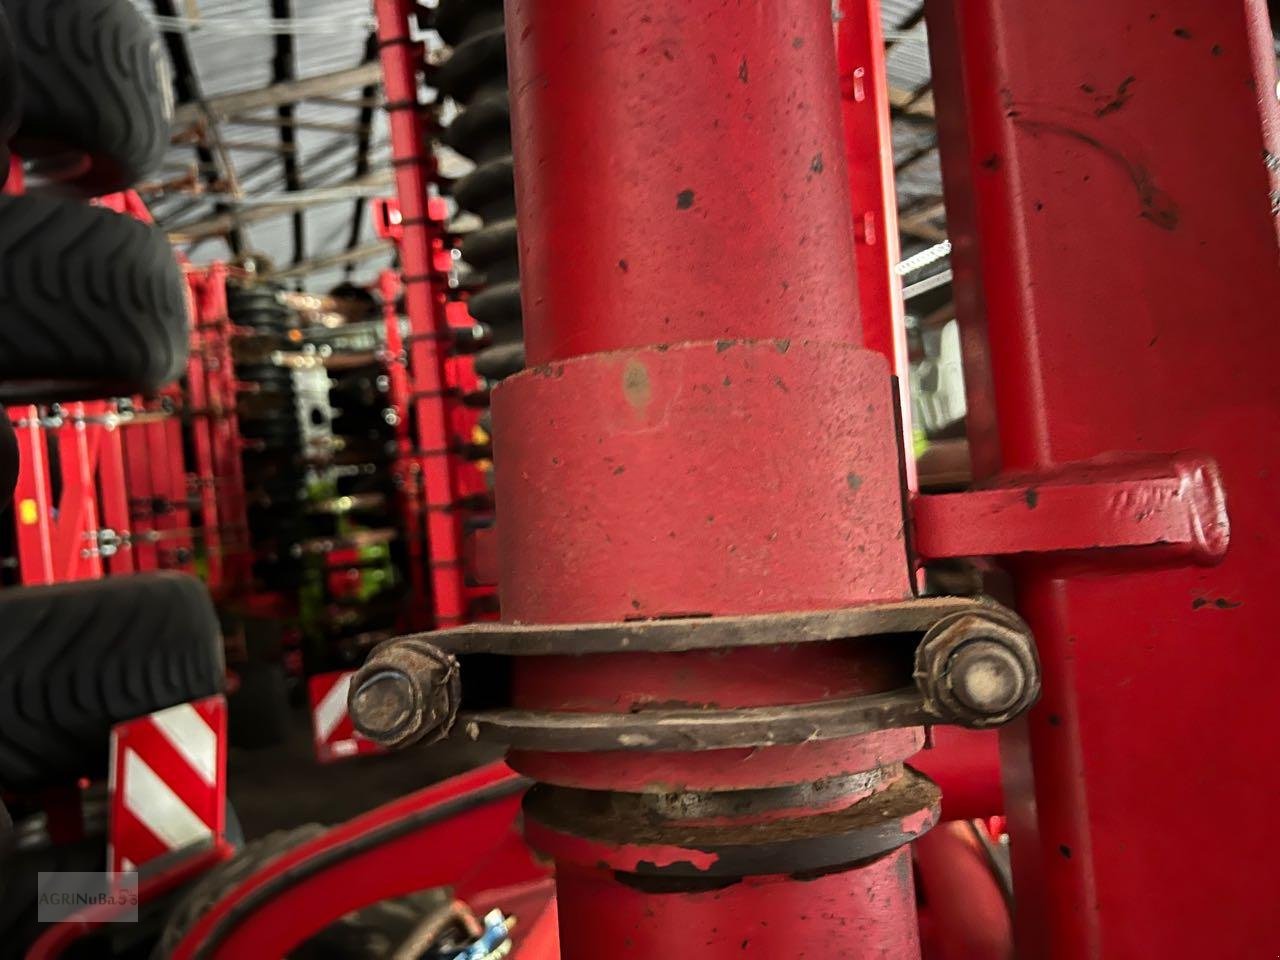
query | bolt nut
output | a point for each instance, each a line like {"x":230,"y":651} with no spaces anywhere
{"x":978,"y":669}
{"x":407,"y":691}
{"x":986,"y":677}
{"x":385,"y":703}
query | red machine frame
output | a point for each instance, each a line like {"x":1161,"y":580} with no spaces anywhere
{"x":1088,"y":251}
{"x":125,"y":483}
{"x":411,"y":392}
{"x":123,"y":507}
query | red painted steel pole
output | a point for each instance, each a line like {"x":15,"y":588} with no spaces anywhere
{"x":228,"y":468}
{"x":698,"y":188}
{"x":33,"y":499}
{"x":683,"y":205}
{"x":414,"y":166}
{"x":405,"y":470}
{"x":868,"y":138}
{"x":114,"y":495}
{"x":1120,"y":157}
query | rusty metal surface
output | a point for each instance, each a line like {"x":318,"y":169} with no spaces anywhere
{"x":703,"y":633}
{"x":744,"y":768}
{"x":699,"y":729}
{"x":1175,"y":506}
{"x":863,"y":914}
{"x":406,"y":692}
{"x":622,"y":833}
{"x":978,"y":670}
{"x":972,"y":669}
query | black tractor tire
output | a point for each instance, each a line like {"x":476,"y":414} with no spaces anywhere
{"x":19,"y":907}
{"x":92,"y":303}
{"x":10,"y":95}
{"x":205,"y":893}
{"x":242,"y":300}
{"x":96,"y":90}
{"x":76,"y":658}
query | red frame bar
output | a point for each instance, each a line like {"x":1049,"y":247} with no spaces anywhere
{"x":32,"y":499}
{"x":868,"y":138}
{"x":407,"y":469}
{"x":1130,"y":279}
{"x":421,"y":228}
{"x":214,"y":329}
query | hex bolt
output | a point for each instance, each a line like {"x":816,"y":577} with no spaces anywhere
{"x":384,"y":705}
{"x":978,"y":669}
{"x":407,"y":691}
{"x":986,"y":677}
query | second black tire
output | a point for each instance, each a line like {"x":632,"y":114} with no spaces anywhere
{"x":10,"y":101}
{"x":92,"y":303}
{"x":76,"y":658}
{"x":96,"y":87}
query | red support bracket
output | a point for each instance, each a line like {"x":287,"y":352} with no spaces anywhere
{"x":388,"y":222}
{"x":1174,"y":505}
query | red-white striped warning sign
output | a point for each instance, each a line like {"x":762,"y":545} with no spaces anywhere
{"x":335,"y":737}
{"x":167,"y":783}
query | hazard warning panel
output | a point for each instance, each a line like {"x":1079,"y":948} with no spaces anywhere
{"x":167,"y":783}
{"x":335,"y":736}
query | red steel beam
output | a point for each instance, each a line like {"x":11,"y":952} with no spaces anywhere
{"x":868,"y":139}
{"x":701,"y":431}
{"x":414,"y":167}
{"x":1110,"y":170}
{"x":114,"y":495}
{"x":202,"y":402}
{"x":224,"y":428}
{"x":33,"y":499}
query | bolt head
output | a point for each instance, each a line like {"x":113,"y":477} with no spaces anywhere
{"x":407,"y":691}
{"x":383,"y":704}
{"x":986,"y":677}
{"x":978,"y":668}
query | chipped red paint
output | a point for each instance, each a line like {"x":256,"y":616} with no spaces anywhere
{"x":629,"y":857}
{"x":865,"y":914}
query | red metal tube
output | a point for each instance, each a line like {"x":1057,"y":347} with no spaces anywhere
{"x":868,"y":138}
{"x":761,"y":917}
{"x":683,"y":204}
{"x":681,"y":167}
{"x":401,"y":63}
{"x":1120,"y":158}
{"x":964,"y":914}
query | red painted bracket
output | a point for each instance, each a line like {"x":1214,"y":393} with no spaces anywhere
{"x":388,"y":222}
{"x":1175,"y":504}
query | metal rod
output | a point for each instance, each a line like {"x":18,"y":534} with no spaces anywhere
{"x":868,"y":136}
{"x":367,"y":252}
{"x":312,"y":88}
{"x":424,"y":303}
{"x":221,"y":223}
{"x":690,"y":298}
{"x":284,"y":69}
